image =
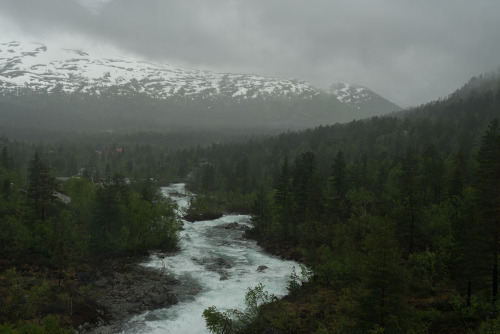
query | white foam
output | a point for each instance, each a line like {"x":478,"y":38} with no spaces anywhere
{"x":201,"y":242}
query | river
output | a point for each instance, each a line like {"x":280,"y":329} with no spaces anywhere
{"x":216,"y":265}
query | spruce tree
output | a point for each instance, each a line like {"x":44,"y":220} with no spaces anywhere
{"x":410,"y":195}
{"x":283,"y":199}
{"x":41,"y":186}
{"x":488,"y":187}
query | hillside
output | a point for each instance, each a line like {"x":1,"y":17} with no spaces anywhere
{"x":48,"y":88}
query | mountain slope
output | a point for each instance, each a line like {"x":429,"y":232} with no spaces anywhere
{"x":68,"y":86}
{"x":39,"y":68}
{"x":361,"y":98}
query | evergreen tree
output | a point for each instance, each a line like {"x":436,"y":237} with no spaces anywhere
{"x":304,"y":169}
{"x":41,"y":186}
{"x":467,"y":266}
{"x":338,"y":177}
{"x":458,"y":175}
{"x":338,"y":187}
{"x":261,"y":210}
{"x":410,"y":196}
{"x":383,"y":279}
{"x":488,"y":186}
{"x":5,"y":159}
{"x":283,"y":199}
{"x":111,"y":200}
{"x":433,"y":170}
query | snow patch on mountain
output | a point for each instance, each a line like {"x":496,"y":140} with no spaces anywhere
{"x":350,"y":94}
{"x":41,"y":68}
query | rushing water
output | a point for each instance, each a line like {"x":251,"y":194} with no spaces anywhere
{"x":216,"y":266}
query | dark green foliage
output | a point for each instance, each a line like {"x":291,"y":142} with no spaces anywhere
{"x":433,"y":170}
{"x":50,"y":325}
{"x":283,"y":200}
{"x":383,"y":279}
{"x":5,"y":159}
{"x":488,"y":185}
{"x":50,"y":237}
{"x":218,"y":322}
{"x":410,"y":192}
{"x":339,"y":177}
{"x":234,"y":320}
{"x":262,"y":211}
{"x":203,"y":207}
{"x":41,"y":187}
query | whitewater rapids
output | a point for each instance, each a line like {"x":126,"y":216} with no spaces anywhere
{"x":216,"y":266}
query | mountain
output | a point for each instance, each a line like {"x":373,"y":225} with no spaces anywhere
{"x":361,"y":98}
{"x":103,"y":92}
{"x":39,"y":68}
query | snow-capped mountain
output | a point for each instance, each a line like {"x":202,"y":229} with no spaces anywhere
{"x":40,"y":68}
{"x":46,"y":87}
{"x":359,"y":97}
{"x":350,"y":94}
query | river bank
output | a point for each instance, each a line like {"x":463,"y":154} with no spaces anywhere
{"x":123,"y":288}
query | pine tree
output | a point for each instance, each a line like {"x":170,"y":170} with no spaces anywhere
{"x":283,"y":199}
{"x":458,"y":175}
{"x":5,"y":159}
{"x":41,"y":186}
{"x":384,"y":277}
{"x":304,"y":169}
{"x":467,"y":242}
{"x":338,"y":177}
{"x":261,"y":210}
{"x":410,"y":195}
{"x":338,"y":188}
{"x":488,"y":186}
{"x":433,"y":169}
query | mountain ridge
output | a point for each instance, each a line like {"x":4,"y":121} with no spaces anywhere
{"x":38,"y":67}
{"x":71,"y":88}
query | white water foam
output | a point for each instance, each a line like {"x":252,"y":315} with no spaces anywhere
{"x":217,"y":264}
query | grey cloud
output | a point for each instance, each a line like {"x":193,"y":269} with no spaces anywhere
{"x":410,"y":52}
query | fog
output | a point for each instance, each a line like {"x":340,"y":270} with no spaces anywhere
{"x":409,"y":52}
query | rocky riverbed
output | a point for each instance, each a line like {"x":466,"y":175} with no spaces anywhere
{"x":124,"y":288}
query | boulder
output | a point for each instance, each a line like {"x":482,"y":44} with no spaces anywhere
{"x":160,"y":300}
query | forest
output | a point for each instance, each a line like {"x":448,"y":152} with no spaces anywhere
{"x":397,"y":217}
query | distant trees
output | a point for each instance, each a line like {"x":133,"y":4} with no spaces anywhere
{"x":5,"y":159}
{"x":41,"y":186}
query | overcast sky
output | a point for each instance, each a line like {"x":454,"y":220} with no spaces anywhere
{"x":410,"y":52}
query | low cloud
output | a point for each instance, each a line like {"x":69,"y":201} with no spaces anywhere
{"x":410,"y":52}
